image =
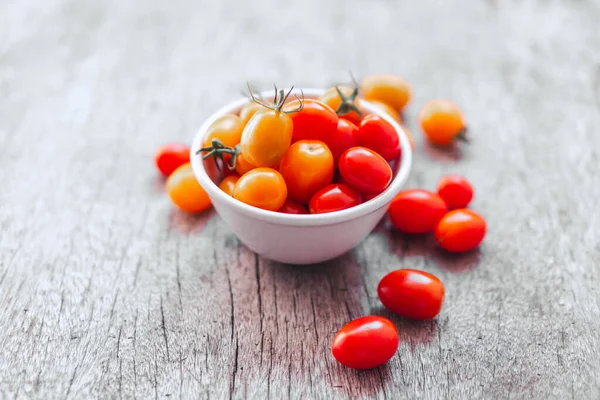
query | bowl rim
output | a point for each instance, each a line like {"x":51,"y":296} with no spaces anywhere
{"x":278,"y":218}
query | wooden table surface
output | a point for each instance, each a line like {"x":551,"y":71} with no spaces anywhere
{"x":107,"y":291}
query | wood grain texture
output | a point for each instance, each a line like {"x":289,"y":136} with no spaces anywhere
{"x":107,"y":292}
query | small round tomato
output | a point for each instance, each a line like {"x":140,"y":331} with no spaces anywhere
{"x":306,"y":167}
{"x":442,"y":122}
{"x":171,"y":156}
{"x":185,"y":191}
{"x":228,"y":184}
{"x":365,"y":170}
{"x":386,"y":108}
{"x":343,"y":101}
{"x":387,"y":88}
{"x":377,"y":134}
{"x":456,"y":191}
{"x":228,"y":129}
{"x":365,"y":342}
{"x":263,"y":188}
{"x":266,"y":137}
{"x":417,"y":211}
{"x":411,"y":293}
{"x":342,"y":139}
{"x":292,"y":207}
{"x":248,"y":111}
{"x":460,"y":230}
{"x":334,"y":197}
{"x":315,"y":121}
{"x":242,"y":165}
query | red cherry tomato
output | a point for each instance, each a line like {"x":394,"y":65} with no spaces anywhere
{"x":411,"y":293}
{"x":334,"y":197}
{"x":456,"y":191}
{"x":366,"y":342}
{"x":343,"y":138}
{"x":171,"y":156}
{"x":460,"y":230}
{"x":315,"y":121}
{"x":417,"y":211}
{"x":377,"y":134}
{"x":292,"y":207}
{"x":365,"y":170}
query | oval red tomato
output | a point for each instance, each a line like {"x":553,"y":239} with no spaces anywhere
{"x":334,"y":197}
{"x":377,"y":134}
{"x":417,"y":211}
{"x":342,"y":139}
{"x":411,"y":293}
{"x":316,"y":121}
{"x":456,"y":191}
{"x":460,"y":230}
{"x":365,"y":342}
{"x":365,"y":170}
{"x":292,"y":207}
{"x":171,"y":156}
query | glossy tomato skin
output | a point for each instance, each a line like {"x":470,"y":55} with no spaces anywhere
{"x":248,"y":111}
{"x":266,"y":137}
{"x":171,"y":156}
{"x":377,"y":134}
{"x":412,"y":293}
{"x":316,"y":121}
{"x":306,"y":167}
{"x":292,"y":207}
{"x":365,"y":170}
{"x":365,"y":342}
{"x":242,"y":165}
{"x":332,"y":98}
{"x":456,"y":191}
{"x":387,"y":88}
{"x":334,"y":197}
{"x":441,"y":121}
{"x":343,"y":138}
{"x":262,"y":188}
{"x":227,"y":128}
{"x":460,"y":230}
{"x":228,"y":184}
{"x":185,"y":191}
{"x":417,"y":211}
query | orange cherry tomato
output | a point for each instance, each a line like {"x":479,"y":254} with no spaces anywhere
{"x":460,"y":230}
{"x":185,"y":191}
{"x":417,"y":211}
{"x":228,"y":129}
{"x":306,"y":168}
{"x":366,"y":342}
{"x":377,"y":134}
{"x":456,"y":191}
{"x":171,"y":156}
{"x":266,"y":137}
{"x":386,"y":108}
{"x":442,"y":122}
{"x":387,"y":88}
{"x":412,"y":293}
{"x":334,"y":197}
{"x":365,"y":170}
{"x":263,"y":188}
{"x":316,"y":121}
{"x":248,"y":111}
{"x":292,"y":207}
{"x":346,"y":106}
{"x":228,"y":184}
{"x":242,"y":165}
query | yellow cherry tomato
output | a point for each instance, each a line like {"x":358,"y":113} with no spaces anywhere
{"x":185,"y":191}
{"x":228,"y":129}
{"x":242,"y":165}
{"x":266,"y":137}
{"x":248,"y":111}
{"x":228,"y":184}
{"x":442,"y":121}
{"x":263,"y":188}
{"x":387,"y":88}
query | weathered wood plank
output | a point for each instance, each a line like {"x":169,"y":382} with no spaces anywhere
{"x":108,"y":292}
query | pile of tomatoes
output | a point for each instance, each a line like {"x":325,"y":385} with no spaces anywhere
{"x":301,"y":156}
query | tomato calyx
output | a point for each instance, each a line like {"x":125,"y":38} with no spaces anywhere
{"x":216,"y":150}
{"x":462,"y":135}
{"x":279,"y":100}
{"x":348,"y":102}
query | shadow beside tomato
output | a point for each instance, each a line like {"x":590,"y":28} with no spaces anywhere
{"x":189,"y":224}
{"x":444,"y":155}
{"x":411,"y":331}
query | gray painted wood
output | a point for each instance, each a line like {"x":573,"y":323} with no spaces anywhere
{"x":107,"y":292}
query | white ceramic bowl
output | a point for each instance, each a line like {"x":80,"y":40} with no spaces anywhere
{"x":300,"y":239}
